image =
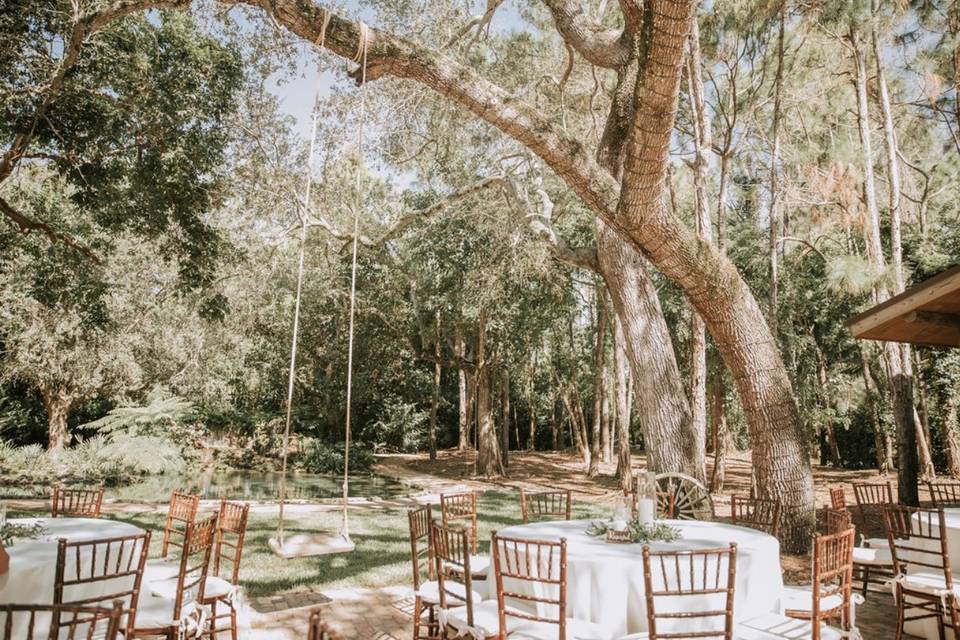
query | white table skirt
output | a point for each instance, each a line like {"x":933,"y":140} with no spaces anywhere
{"x":928,"y":628}
{"x":605,"y":581}
{"x":33,"y":564}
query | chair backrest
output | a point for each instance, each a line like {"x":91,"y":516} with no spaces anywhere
{"x":541,"y":566}
{"x":194,"y":562}
{"x":320,"y":630}
{"x":111,"y":568}
{"x":231,"y":532}
{"x":918,"y":542}
{"x":872,"y":498}
{"x":685,"y":579}
{"x":832,"y":576}
{"x":838,"y":498}
{"x":451,"y":554}
{"x":182,"y":511}
{"x":421,"y":547}
{"x":65,"y":622}
{"x":944,"y":494}
{"x":836,"y":520}
{"x":461,"y":507}
{"x":756,"y":513}
{"x":76,"y":503}
{"x":666,"y":503}
{"x":545,"y":505}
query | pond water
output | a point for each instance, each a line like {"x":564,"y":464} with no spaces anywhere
{"x":256,"y":485}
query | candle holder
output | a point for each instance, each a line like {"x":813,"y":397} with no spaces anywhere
{"x":647,"y":498}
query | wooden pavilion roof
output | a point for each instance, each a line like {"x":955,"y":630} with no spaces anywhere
{"x":928,"y":313}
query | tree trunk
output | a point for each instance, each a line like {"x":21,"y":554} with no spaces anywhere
{"x":489,"y":463}
{"x":774,"y":212}
{"x":703,"y":142}
{"x":554,"y":418}
{"x":622,"y":401}
{"x":599,"y":378}
{"x":951,"y":434}
{"x":532,"y":407}
{"x":884,"y":448}
{"x":721,"y":431}
{"x":898,"y":369}
{"x":505,"y":419}
{"x":435,"y":400}
{"x":58,"y":405}
{"x":606,"y":441}
{"x":833,"y":448}
{"x":465,"y":394}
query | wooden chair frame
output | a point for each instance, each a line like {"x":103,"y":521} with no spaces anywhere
{"x":100,"y":560}
{"x":75,"y":503}
{"x":183,"y":509}
{"x":871,"y":498}
{"x":85,"y":621}
{"x":757,"y":513}
{"x":421,"y":558}
{"x":944,"y":493}
{"x":320,"y":630}
{"x":545,"y":505}
{"x":838,"y":498}
{"x":461,"y":507}
{"x":512,"y":559}
{"x":228,"y":548}
{"x":451,"y":555}
{"x":914,"y":545}
{"x":192,"y":575}
{"x":668,"y":564}
{"x":832,"y":574}
{"x":837,"y":521}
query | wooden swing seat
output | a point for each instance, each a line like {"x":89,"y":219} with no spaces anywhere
{"x":311,"y":544}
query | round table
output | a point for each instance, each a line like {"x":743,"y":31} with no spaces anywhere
{"x":605,"y":581}
{"x":33,"y":563}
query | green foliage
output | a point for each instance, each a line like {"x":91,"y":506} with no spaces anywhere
{"x":161,"y":411}
{"x":401,"y":427}
{"x":322,"y":457}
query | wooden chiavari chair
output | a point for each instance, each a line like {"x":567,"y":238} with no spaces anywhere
{"x":221,"y":587}
{"x":921,"y":561}
{"x":673,"y":578}
{"x":836,"y":520}
{"x":75,"y":503}
{"x":538,"y":609}
{"x":838,"y":498}
{"x":459,"y":615}
{"x":462,"y":508}
{"x":65,"y":622}
{"x":829,"y":596}
{"x":426,"y":595}
{"x":320,"y":630}
{"x":545,"y":505}
{"x":872,"y":562}
{"x":756,"y":513}
{"x":175,"y":601}
{"x":944,"y":493}
{"x":182,"y":512}
{"x":115,"y":562}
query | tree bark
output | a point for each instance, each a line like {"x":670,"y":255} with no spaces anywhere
{"x":532,"y":407}
{"x":58,"y":405}
{"x":599,"y":379}
{"x":435,"y":399}
{"x":884,"y":448}
{"x":823,"y":381}
{"x":489,"y":462}
{"x":774,"y":212}
{"x":951,"y":434}
{"x":721,"y":430}
{"x":505,"y":419}
{"x":622,"y":401}
{"x":464,"y":393}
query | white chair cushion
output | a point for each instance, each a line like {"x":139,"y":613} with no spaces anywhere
{"x":576,"y":630}
{"x":643,"y":635}
{"x":874,"y":557}
{"x":217,"y":588}
{"x":930,"y":582}
{"x":430,"y":593}
{"x":160,"y":569}
{"x":479,"y":565}
{"x":486,"y":619}
{"x":801,"y":599}
{"x":773,"y":626}
{"x":155,"y":613}
{"x":877,"y":543}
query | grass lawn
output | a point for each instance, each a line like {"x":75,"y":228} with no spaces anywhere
{"x":382,"y":556}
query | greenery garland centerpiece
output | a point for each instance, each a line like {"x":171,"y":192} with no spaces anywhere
{"x":14,"y":532}
{"x":637,"y":531}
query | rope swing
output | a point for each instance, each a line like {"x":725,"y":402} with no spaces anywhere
{"x":319,"y":544}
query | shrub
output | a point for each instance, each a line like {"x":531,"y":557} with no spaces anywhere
{"x":261,"y":450}
{"x":322,"y":457}
{"x":401,"y":427}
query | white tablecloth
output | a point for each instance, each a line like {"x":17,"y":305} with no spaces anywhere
{"x":928,"y":628}
{"x":605,"y":581}
{"x":33,"y":564}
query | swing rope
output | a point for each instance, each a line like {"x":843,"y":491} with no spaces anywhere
{"x":296,"y":307}
{"x":361,"y":58}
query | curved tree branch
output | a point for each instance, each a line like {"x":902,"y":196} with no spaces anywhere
{"x":600,"y":46}
{"x":27,"y":225}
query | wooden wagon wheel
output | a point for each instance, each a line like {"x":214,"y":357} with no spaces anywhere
{"x":691,"y":499}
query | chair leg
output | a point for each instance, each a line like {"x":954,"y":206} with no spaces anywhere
{"x":416,"y":617}
{"x":213,"y":621}
{"x":941,"y":630}
{"x":234,"y":630}
{"x":866,"y":580}
{"x":900,"y":613}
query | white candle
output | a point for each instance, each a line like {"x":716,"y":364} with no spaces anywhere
{"x":622,"y":513}
{"x":646,"y":510}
